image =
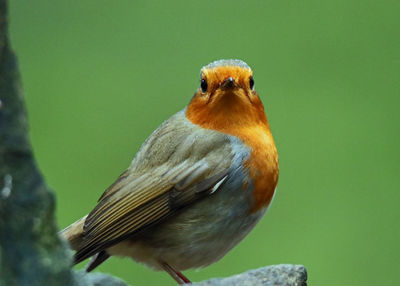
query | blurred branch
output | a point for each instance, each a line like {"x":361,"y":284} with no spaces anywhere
{"x":30,"y":251}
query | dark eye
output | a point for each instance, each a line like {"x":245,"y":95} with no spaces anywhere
{"x":251,"y":82}
{"x":203,"y":85}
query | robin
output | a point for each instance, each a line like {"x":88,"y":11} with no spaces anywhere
{"x":196,"y":187}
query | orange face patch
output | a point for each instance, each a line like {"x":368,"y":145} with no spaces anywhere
{"x":238,"y":111}
{"x":216,"y":76}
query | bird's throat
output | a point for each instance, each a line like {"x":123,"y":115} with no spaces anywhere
{"x":251,"y":126}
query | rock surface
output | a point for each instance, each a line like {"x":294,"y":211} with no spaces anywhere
{"x":97,"y":279}
{"x":275,"y":275}
{"x":31,"y":252}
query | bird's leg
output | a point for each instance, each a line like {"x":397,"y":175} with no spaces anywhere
{"x":177,"y":275}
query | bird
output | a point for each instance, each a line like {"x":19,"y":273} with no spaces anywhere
{"x":196,"y":187}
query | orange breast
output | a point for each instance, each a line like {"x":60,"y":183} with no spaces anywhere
{"x":251,"y":126}
{"x":263,"y":163}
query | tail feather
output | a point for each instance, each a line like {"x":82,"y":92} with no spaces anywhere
{"x":74,"y":233}
{"x":96,"y":260}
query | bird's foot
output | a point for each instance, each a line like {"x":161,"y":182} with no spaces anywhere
{"x":176,"y":275}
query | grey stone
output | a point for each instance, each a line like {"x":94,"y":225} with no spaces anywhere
{"x":275,"y":275}
{"x":97,"y":279}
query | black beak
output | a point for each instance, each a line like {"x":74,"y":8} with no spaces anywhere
{"x":228,"y":83}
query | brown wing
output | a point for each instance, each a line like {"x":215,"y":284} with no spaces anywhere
{"x":135,"y":202}
{"x":177,"y":165}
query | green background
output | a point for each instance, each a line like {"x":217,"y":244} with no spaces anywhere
{"x":100,"y":76}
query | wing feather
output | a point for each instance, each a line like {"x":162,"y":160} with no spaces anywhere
{"x":176,"y":166}
{"x":122,"y":215}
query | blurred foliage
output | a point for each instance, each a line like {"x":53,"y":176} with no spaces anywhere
{"x":100,"y":76}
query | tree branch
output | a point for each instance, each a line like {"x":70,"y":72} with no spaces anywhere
{"x":31,"y":252}
{"x":28,"y":240}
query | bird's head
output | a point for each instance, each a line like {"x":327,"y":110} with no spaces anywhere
{"x":226,"y":96}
